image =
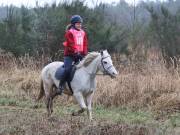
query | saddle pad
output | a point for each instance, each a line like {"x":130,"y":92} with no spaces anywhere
{"x":60,"y":71}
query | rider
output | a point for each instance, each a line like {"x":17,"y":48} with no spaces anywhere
{"x":75,"y":47}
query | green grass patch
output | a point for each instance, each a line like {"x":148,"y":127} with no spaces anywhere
{"x":123,"y":115}
{"x":6,"y":101}
{"x":115,"y":115}
{"x":174,"y":120}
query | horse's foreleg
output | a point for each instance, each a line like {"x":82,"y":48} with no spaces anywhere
{"x":80,"y":100}
{"x":89,"y":102}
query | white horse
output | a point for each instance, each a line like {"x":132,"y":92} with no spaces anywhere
{"x":83,"y":83}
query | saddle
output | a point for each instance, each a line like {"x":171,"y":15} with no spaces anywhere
{"x":60,"y":71}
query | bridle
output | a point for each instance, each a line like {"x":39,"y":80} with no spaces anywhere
{"x":106,"y":70}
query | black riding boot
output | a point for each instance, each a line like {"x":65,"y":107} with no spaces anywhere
{"x":61,"y":87}
{"x":62,"y":84}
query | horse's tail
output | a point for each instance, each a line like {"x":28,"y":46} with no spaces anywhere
{"x":41,"y":93}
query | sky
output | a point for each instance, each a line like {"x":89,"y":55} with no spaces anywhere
{"x":31,"y":3}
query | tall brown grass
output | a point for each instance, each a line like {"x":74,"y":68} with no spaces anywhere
{"x":140,"y":84}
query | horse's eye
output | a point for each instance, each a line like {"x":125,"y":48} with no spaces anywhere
{"x":104,"y":62}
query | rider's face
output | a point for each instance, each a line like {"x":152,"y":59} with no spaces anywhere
{"x":78,"y":25}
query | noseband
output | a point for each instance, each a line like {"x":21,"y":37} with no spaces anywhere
{"x":105,"y":72}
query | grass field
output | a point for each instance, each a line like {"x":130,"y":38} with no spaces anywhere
{"x":21,"y":118}
{"x":142,"y":100}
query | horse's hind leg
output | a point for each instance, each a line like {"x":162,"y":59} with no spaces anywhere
{"x":48,"y":99}
{"x":53,"y":94}
{"x":80,"y":100}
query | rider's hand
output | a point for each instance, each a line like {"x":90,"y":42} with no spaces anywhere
{"x":78,"y":56}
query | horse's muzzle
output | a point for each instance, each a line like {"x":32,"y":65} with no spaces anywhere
{"x":114,"y":75}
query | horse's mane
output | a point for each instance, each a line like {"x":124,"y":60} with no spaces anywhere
{"x":88,"y":59}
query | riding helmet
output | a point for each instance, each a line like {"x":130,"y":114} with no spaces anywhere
{"x":76,"y":19}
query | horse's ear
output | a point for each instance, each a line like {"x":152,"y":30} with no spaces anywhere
{"x":101,"y":51}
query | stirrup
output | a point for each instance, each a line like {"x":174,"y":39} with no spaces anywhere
{"x":60,"y":90}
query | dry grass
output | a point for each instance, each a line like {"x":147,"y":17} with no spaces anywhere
{"x":157,"y":91}
{"x":138,"y":85}
{"x":148,"y":85}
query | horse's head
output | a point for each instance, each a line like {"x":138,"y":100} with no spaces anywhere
{"x":106,"y":65}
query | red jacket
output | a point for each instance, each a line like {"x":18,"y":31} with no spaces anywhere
{"x":74,"y":44}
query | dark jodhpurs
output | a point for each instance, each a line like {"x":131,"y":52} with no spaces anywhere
{"x":68,"y":60}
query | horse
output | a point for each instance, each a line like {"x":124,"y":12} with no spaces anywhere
{"x":83,"y":84}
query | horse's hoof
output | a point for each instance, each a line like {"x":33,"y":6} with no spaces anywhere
{"x":74,"y":114}
{"x":90,"y":119}
{"x":35,"y":106}
{"x":49,"y":114}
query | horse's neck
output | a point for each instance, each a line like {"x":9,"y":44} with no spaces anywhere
{"x":92,"y":68}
